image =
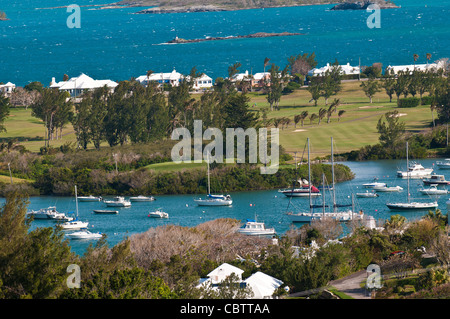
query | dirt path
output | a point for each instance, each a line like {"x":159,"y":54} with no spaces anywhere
{"x":350,"y":285}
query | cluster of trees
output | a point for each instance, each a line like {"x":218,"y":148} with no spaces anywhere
{"x":326,"y":85}
{"x":166,"y":262}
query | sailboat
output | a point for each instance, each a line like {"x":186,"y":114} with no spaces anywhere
{"x":305,"y":189}
{"x":410,"y":205}
{"x":74,"y":224}
{"x":213,"y":200}
{"x":342,"y":216}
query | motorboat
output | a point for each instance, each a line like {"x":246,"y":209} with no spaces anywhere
{"x":48,"y":213}
{"x":142,"y":198}
{"x":84,"y":234}
{"x":118,"y":201}
{"x":105,"y":211}
{"x":89,"y":198}
{"x":433,"y":190}
{"x":367,"y":194}
{"x":374,"y":184}
{"x":158,"y":214}
{"x":445,"y":164}
{"x":415,"y":170}
{"x":255,"y":228}
{"x":74,"y":224}
{"x":436,"y":179}
{"x":213,"y":200}
{"x":409,"y":205}
{"x":388,"y":188}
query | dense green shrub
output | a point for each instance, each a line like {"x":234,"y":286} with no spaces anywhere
{"x":408,"y":102}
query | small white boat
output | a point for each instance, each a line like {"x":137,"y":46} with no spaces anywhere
{"x":158,"y":214}
{"x":75,"y":224}
{"x":49,"y":213}
{"x":118,"y":201}
{"x":367,"y":194}
{"x":142,"y":198}
{"x":252,"y":227}
{"x":374,"y":184}
{"x":433,"y":190}
{"x":412,"y":206}
{"x":388,"y":188}
{"x":214,"y":200}
{"x":89,"y":198}
{"x":445,"y":164}
{"x":84,"y":234}
{"x":301,"y":192}
{"x":415,"y":170}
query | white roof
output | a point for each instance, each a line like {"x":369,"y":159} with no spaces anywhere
{"x":260,"y":75}
{"x":410,"y":67}
{"x":224,"y":271}
{"x":262,"y":284}
{"x":345,"y":69}
{"x":9,"y":84}
{"x":82,"y":82}
{"x":174,"y":75}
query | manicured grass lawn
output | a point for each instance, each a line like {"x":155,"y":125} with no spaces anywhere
{"x":356,"y":128}
{"x":30,"y":131}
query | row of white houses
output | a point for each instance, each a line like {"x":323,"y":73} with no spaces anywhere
{"x":77,"y":85}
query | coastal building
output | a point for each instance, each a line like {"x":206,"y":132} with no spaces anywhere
{"x":7,"y":89}
{"x":262,"y":285}
{"x":77,"y":85}
{"x":259,"y":79}
{"x":203,"y":82}
{"x":173,"y":78}
{"x":346,"y":69}
{"x":418,"y":67}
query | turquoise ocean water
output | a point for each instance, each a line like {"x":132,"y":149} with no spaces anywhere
{"x":36,"y":44}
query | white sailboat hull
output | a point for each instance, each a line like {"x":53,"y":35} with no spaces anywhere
{"x":411,"y":206}
{"x":213,"y":202}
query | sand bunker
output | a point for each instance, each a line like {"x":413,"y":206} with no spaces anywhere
{"x":370,"y":106}
{"x":300,"y":130}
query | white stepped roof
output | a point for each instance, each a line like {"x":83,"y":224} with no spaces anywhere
{"x":82,"y":82}
{"x":262,"y":284}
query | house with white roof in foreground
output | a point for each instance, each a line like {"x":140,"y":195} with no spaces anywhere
{"x":7,"y":89}
{"x":262,"y":285}
{"x":77,"y":85}
{"x":346,"y":69}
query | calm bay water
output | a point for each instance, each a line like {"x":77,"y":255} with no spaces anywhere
{"x":36,"y":44}
{"x":268,"y":206}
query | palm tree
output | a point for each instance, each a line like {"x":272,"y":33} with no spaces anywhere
{"x":266,"y":63}
{"x":297,"y":119}
{"x":341,"y":112}
{"x":335,"y":104}
{"x":312,"y":117}
{"x":322,"y":113}
{"x":428,"y":57}
{"x":330,"y":113}
{"x":149,"y":73}
{"x":415,"y":57}
{"x":303,"y":116}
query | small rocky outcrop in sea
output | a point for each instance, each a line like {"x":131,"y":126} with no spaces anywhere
{"x":362,"y":5}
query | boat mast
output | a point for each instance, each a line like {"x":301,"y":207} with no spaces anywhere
{"x":407,"y":170}
{"x":309,"y":179}
{"x":76,"y":200}
{"x":323,"y":197}
{"x":209,"y":187}
{"x":332,"y":174}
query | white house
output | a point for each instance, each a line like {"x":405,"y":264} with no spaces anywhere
{"x":346,"y":69}
{"x":203,"y":82}
{"x":7,"y":89}
{"x":77,"y":85}
{"x":262,"y":285}
{"x":173,"y":78}
{"x":418,"y":67}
